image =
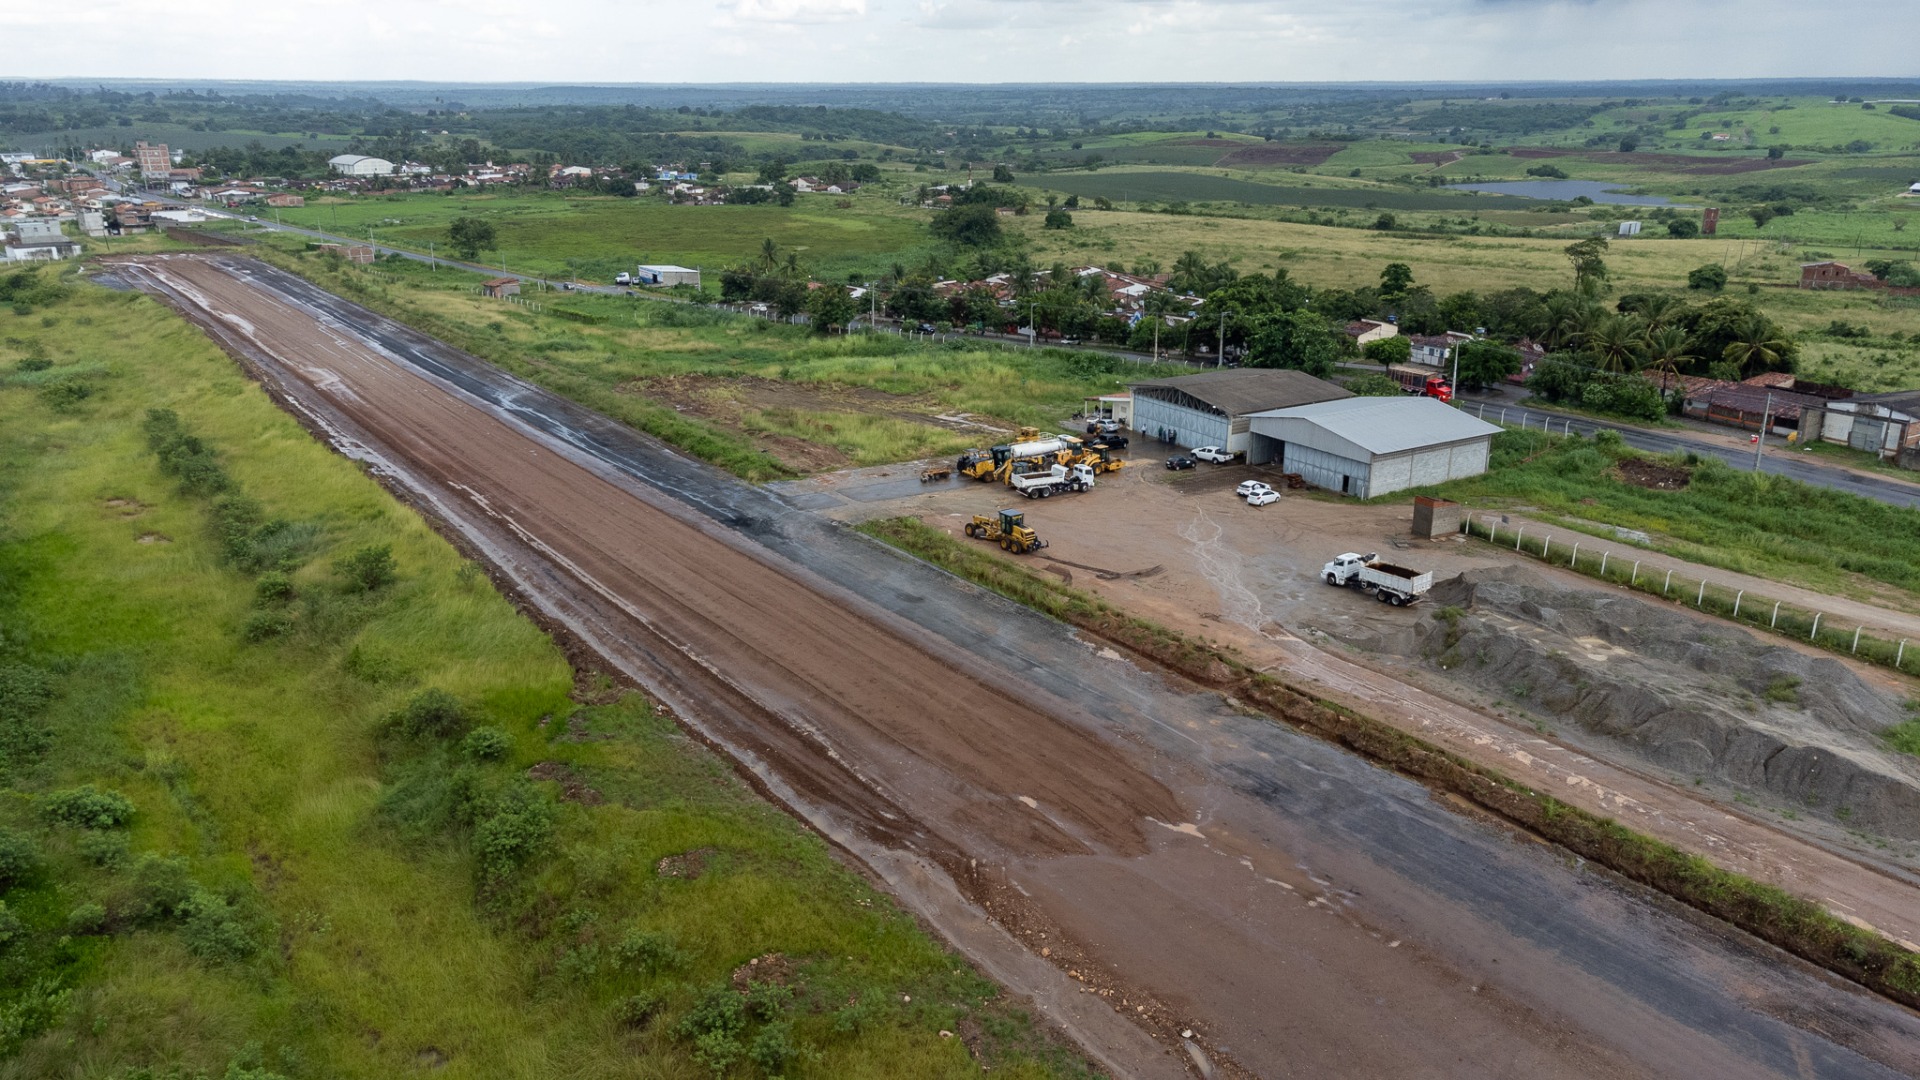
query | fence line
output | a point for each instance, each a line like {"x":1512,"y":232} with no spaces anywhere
{"x":1787,"y":620}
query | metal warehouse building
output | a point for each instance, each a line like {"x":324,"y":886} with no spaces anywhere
{"x":1368,"y":446}
{"x":1211,"y":409}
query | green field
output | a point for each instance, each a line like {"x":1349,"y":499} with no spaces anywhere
{"x":598,"y":237}
{"x":321,"y":877}
{"x":1155,"y":186}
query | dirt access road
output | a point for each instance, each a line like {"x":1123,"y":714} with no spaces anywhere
{"x":1140,"y":858}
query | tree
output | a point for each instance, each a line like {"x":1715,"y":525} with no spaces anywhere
{"x":1775,"y":153}
{"x":1002,"y":174}
{"x":1483,"y":362}
{"x":1761,"y":215}
{"x":1589,"y":270}
{"x":1395,"y":280}
{"x":1058,"y":219}
{"x":470,"y":236}
{"x":1709,"y":278}
{"x":1388,"y":351}
{"x":969,"y":225}
{"x":1683,"y":228}
{"x":830,"y":308}
{"x":1299,"y":340}
{"x":1758,"y":346}
{"x":1386,"y":222}
{"x":1373,"y":384}
{"x":1629,"y":144}
{"x":1667,"y":351}
{"x":1614,"y":343}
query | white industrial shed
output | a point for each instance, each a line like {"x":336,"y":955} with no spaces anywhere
{"x":1368,"y":446}
{"x":360,"y":165}
{"x":1211,"y":408}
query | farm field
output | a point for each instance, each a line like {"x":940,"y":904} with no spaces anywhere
{"x":315,"y":879}
{"x":1169,"y":186}
{"x":597,"y":237}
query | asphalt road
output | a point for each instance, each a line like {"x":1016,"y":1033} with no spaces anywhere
{"x":1772,"y":460}
{"x":1311,"y":915}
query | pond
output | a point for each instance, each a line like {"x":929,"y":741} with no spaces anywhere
{"x":1599,"y":191}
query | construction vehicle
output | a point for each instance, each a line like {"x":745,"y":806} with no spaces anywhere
{"x":1421,"y":382}
{"x":1009,"y":530}
{"x":1054,"y":480}
{"x":934,"y":473}
{"x":1388,"y":583}
{"x":1098,"y":457}
{"x":994,"y":464}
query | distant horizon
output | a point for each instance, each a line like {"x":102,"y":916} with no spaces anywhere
{"x":979,"y":42}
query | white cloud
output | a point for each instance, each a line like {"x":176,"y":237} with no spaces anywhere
{"x":797,"y":11}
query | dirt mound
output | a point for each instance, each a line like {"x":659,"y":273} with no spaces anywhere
{"x":1651,"y":474}
{"x":1435,"y":157}
{"x":1699,"y":700}
{"x":1280,"y":154}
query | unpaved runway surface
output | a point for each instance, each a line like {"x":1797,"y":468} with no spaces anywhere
{"x":1188,"y":867}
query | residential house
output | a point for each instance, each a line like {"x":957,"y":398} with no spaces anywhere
{"x":1362,"y":331}
{"x":1436,"y":350}
{"x":501,"y":288}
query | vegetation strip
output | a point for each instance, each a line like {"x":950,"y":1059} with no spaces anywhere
{"x":1796,"y":925}
{"x":286,"y":790}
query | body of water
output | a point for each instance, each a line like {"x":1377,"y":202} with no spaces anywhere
{"x":1599,"y":191}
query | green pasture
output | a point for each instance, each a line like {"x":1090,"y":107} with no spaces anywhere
{"x":303,"y":892}
{"x":1195,"y":187}
{"x":597,"y":237}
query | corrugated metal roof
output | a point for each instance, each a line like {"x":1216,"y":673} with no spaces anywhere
{"x":1387,"y":425}
{"x":1240,"y":391}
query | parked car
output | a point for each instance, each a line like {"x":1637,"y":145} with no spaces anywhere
{"x":1180,"y":461}
{"x":1263,"y":497}
{"x":1251,"y":487}
{"x":1111,"y":442}
{"x":927,"y":328}
{"x":1213,"y":454}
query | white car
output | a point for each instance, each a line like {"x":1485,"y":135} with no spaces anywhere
{"x":623,"y":278}
{"x":1263,"y":497}
{"x":1213,"y":454}
{"x":1249,"y":488}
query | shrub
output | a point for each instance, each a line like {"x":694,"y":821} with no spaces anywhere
{"x":18,"y":859}
{"x":12,"y":930}
{"x":86,"y":919}
{"x":486,"y":744}
{"x":635,"y":1011}
{"x":773,"y":1049}
{"x":65,"y":393}
{"x":34,"y":363}
{"x":516,"y":828}
{"x":714,"y":1026}
{"x":183,"y":455}
{"x":648,"y":953}
{"x":431,"y":713}
{"x":215,"y":930}
{"x":1709,"y":278}
{"x":87,"y":807}
{"x":274,"y":587}
{"x":266,"y":625}
{"x":159,"y":888}
{"x":24,"y":693}
{"x":368,"y":569}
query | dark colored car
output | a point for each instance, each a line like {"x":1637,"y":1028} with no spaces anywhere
{"x":927,"y":328}
{"x":1111,"y":442}
{"x":1180,"y":462}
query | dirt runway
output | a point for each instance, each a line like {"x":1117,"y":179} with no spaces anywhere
{"x":1188,"y":868}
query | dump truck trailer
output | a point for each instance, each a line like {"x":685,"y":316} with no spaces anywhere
{"x":1387,"y":583}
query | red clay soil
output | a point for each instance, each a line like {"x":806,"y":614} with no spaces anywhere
{"x":1280,"y":154}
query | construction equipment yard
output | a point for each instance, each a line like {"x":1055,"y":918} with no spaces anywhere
{"x":1183,"y":886}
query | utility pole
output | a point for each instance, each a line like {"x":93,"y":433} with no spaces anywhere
{"x":1759,"y":443}
{"x":1456,"y":372}
{"x":1221,"y":360}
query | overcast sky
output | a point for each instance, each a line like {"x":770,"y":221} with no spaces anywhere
{"x":962,"y":40}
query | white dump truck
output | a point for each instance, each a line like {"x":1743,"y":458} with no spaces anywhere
{"x":1388,"y":583}
{"x":1054,"y":480}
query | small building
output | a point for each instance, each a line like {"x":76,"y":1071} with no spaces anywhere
{"x":1835,"y":275}
{"x":1436,"y":349}
{"x":1371,"y":446}
{"x":285,"y":202}
{"x":360,"y":165}
{"x":1117,"y":407}
{"x":1914,"y":190}
{"x":1883,"y":424}
{"x":153,"y":160}
{"x":650,"y":274}
{"x":1629,"y":228}
{"x":1211,"y":408}
{"x":501,"y":287}
{"x":39,"y":241}
{"x":1365,"y":330}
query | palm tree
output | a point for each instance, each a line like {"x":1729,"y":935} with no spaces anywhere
{"x":1615,"y":342}
{"x":1666,"y":353}
{"x":769,"y":254}
{"x":1659,"y":310}
{"x":1757,"y":346}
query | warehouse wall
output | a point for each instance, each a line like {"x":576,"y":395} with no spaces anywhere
{"x":1329,"y":471}
{"x":1190,"y":427}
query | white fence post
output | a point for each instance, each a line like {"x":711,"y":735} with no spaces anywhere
{"x":1775,"y":621}
{"x":1546,"y":546}
{"x":1816,"y":628}
{"x":1573,"y":563}
{"x":1603,"y":562}
{"x":1635,"y":579}
{"x":1667,"y":584}
{"x":1701,"y":600}
{"x":1856,"y":637}
{"x":1901,"y":652}
{"x":1517,"y":536}
{"x":1736,"y":602}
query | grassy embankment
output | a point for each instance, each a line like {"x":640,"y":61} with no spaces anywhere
{"x":596,"y":237}
{"x":1790,"y":922}
{"x":1751,"y":523}
{"x":331,"y":861}
{"x":759,"y":398}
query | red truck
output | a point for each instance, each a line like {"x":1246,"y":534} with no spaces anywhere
{"x":1421,"y":381}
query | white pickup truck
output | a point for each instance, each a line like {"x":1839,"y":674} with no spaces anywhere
{"x":1059,"y":478}
{"x":1388,"y":583}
